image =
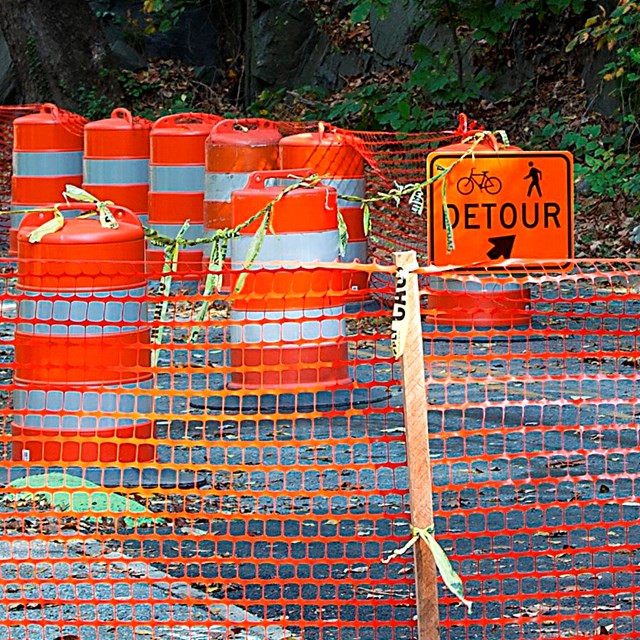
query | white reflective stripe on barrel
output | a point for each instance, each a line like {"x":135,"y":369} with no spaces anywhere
{"x":291,"y":325}
{"x":38,"y":164}
{"x":356,"y":251}
{"x":320,"y":246}
{"x":176,"y":179}
{"x":218,"y":187}
{"x":71,"y":314}
{"x":120,"y":171}
{"x":473,"y":285}
{"x":171,"y":231}
{"x":54,"y":409}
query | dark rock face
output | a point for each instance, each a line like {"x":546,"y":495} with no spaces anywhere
{"x":192,"y":40}
{"x":283,"y":40}
{"x":7,"y":77}
{"x":282,"y":47}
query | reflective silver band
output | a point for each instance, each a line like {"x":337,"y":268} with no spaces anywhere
{"x":472,"y":285}
{"x":320,"y":246}
{"x":72,"y":314}
{"x":133,"y":171}
{"x":37,"y":164}
{"x":291,"y":325}
{"x":356,"y":251}
{"x":55,"y":409}
{"x":178,"y":179}
{"x":171,"y":231}
{"x":218,"y":187}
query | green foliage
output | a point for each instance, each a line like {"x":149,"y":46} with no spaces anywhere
{"x":440,"y":78}
{"x":267,"y":103}
{"x":94,"y":105}
{"x":619,"y":32}
{"x":604,"y":161}
{"x":164,"y":14}
{"x":376,"y":107}
{"x":361,"y":9}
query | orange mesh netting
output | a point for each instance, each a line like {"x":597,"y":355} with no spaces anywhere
{"x":265,"y":512}
{"x":240,"y":471}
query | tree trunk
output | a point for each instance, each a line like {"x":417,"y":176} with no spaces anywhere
{"x":59,"y":52}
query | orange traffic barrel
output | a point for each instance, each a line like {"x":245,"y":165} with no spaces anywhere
{"x":287,"y":323}
{"x":335,"y":156}
{"x":47,"y":155}
{"x":82,"y":384}
{"x":116,"y":160}
{"x":234,"y":149}
{"x":176,"y":183}
{"x":479,"y":301}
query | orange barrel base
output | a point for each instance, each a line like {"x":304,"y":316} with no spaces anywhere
{"x":289,"y":367}
{"x":486,"y":309}
{"x":115,"y":358}
{"x":36,"y":445}
{"x":82,"y":423}
{"x":82,"y":353}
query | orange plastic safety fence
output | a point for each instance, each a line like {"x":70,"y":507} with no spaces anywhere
{"x":248,"y":481}
{"x":241,"y":472}
{"x":239,"y":484}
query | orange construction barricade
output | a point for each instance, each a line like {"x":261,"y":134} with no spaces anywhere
{"x":47,"y":155}
{"x":116,"y":160}
{"x":176,"y":184}
{"x":335,"y":156}
{"x":287,"y":323}
{"x":82,"y":354}
{"x":234,"y":149}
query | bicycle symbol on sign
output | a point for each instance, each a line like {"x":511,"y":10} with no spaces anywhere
{"x":480,"y":179}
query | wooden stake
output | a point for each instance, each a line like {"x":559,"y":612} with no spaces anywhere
{"x":418,"y":459}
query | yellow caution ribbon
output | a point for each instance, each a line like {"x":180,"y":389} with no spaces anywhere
{"x":449,"y":576}
{"x":107,"y":219}
{"x":400,"y":317}
{"x":50,"y":226}
{"x":343,"y":234}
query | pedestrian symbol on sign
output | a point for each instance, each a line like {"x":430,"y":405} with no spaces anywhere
{"x":535,"y":175}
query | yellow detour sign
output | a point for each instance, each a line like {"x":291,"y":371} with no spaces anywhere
{"x":510,"y":204}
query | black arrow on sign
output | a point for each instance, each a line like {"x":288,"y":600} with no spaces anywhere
{"x":502,"y":247}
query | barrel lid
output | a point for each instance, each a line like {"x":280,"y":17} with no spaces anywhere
{"x":83,"y":230}
{"x":325,"y":136}
{"x":48,"y":114}
{"x":302,"y":210}
{"x":275,"y":190}
{"x":120,"y":119}
{"x":185,"y":124}
{"x":252,"y":132}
